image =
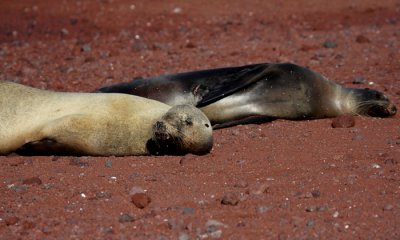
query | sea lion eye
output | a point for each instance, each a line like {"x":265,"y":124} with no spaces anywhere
{"x":189,"y":121}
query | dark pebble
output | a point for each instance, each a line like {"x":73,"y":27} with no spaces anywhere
{"x":108,"y":163}
{"x":388,"y":207}
{"x":76,"y":161}
{"x":141,"y":200}
{"x":316,"y":193}
{"x":188,"y":210}
{"x":263,"y":209}
{"x":190,"y":45}
{"x":86,"y":47}
{"x":310,"y":223}
{"x":103,"y":195}
{"x":19,"y":189}
{"x":126,"y":217}
{"x":330,"y":44}
{"x":343,"y":121}
{"x":230,"y":199}
{"x":362,"y":39}
{"x":359,"y":80}
{"x":32,"y":181}
{"x":176,"y":224}
{"x":241,"y":184}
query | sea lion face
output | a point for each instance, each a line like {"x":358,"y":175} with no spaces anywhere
{"x":372,"y":103}
{"x":183,"y":129}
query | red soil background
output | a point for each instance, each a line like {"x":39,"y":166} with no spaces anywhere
{"x":278,"y":180}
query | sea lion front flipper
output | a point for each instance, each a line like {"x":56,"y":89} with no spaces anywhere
{"x":226,"y":86}
{"x":247,"y":120}
{"x":45,"y":147}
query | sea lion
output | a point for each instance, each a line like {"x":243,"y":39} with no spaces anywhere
{"x":34,"y":121}
{"x":258,"y":93}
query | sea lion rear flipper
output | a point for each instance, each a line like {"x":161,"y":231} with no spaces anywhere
{"x":223,"y":87}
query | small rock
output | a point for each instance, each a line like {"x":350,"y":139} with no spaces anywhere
{"x":359,"y":80}
{"x":311,"y":208}
{"x":102,"y":194}
{"x":343,"y":121}
{"x":388,"y":207}
{"x":32,"y":181}
{"x":230,"y":199}
{"x":108,"y":163}
{"x":335,"y":214}
{"x":188,"y":210}
{"x":183,"y":236}
{"x":215,"y":223}
{"x":310,"y":223}
{"x":241,"y":184}
{"x":135,"y":190}
{"x":263,"y":209}
{"x":48,"y":186}
{"x":11,"y":220}
{"x":190,"y":45}
{"x":177,"y":10}
{"x":126,"y":217}
{"x":213,"y":228}
{"x":64,"y":32}
{"x":19,"y":189}
{"x":316,"y":193}
{"x":362,"y":39}
{"x":86,"y":47}
{"x":141,"y":200}
{"x":330,"y":44}
{"x":375,"y":165}
{"x":175,"y":224}
{"x":76,"y":161}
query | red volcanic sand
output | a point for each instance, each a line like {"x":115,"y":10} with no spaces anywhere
{"x":278,"y":180}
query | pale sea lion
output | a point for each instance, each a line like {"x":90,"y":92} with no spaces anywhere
{"x":34,"y":121}
{"x":258,"y":93}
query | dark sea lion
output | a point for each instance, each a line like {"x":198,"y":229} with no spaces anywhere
{"x":259,"y":92}
{"x":34,"y":121}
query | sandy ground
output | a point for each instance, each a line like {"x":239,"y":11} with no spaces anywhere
{"x":278,"y":180}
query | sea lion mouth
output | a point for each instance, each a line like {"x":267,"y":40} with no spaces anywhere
{"x":160,"y":131}
{"x":163,"y":142}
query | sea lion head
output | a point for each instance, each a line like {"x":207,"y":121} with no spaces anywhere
{"x":372,"y":103}
{"x":183,"y":129}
